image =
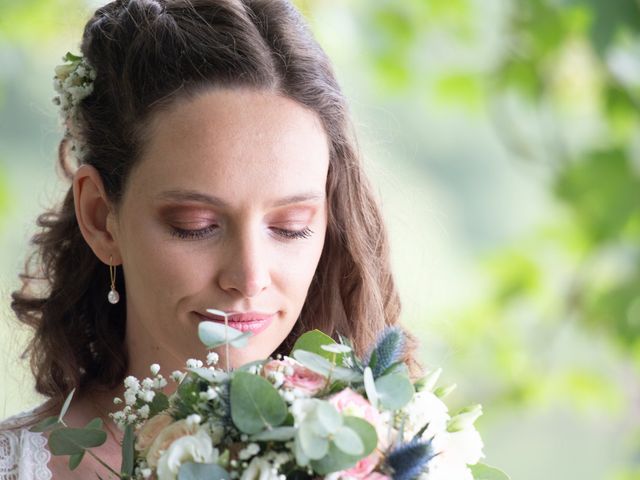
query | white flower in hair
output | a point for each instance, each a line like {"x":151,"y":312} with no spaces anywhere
{"x":74,"y":82}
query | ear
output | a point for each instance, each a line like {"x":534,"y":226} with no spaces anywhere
{"x":95,"y":215}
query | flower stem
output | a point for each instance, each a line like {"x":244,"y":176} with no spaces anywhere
{"x":103,"y":463}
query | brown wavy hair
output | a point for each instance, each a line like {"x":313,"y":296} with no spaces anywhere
{"x":149,"y":54}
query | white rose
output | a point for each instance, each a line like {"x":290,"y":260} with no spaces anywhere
{"x":463,"y":447}
{"x":191,"y":448}
{"x":425,"y":408}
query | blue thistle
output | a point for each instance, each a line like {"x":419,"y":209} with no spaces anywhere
{"x":387,"y":351}
{"x":410,"y":459}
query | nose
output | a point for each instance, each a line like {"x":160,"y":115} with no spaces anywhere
{"x":246,"y":268}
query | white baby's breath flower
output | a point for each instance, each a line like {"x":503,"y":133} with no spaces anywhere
{"x":130,"y":397}
{"x":144,"y":411}
{"x":212,"y":358}
{"x":249,"y":451}
{"x":117,"y":401}
{"x":132,"y":383}
{"x":177,"y":376}
{"x":259,"y":469}
{"x":155,"y":368}
{"x":159,"y":382}
{"x":146,"y":472}
{"x":146,"y":395}
{"x":210,"y":394}
{"x":147,"y":384}
{"x":193,"y":363}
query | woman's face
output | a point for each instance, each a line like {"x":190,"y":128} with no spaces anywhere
{"x":226,"y":210}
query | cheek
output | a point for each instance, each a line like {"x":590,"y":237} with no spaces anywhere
{"x":162,"y":270}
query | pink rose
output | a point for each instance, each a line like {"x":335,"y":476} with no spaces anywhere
{"x":296,"y":375}
{"x":351,"y":403}
{"x":376,"y":476}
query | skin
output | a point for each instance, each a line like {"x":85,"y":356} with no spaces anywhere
{"x":265,"y":160}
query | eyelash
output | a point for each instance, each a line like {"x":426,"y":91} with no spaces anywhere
{"x":306,"y":232}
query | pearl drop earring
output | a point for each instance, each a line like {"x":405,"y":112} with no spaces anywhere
{"x":113,"y":296}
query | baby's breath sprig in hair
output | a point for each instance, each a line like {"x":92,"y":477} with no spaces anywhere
{"x":74,"y":82}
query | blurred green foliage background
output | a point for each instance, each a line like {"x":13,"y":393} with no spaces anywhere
{"x":504,"y":139}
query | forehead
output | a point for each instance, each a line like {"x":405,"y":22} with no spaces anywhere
{"x":233,"y":142}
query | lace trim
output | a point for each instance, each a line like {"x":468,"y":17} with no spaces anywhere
{"x":23,"y":454}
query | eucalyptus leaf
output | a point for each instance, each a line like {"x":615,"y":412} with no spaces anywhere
{"x":47,"y":424}
{"x":481,"y":471}
{"x":321,"y":365}
{"x":328,"y":417}
{"x":214,"y":334}
{"x":65,"y":405}
{"x":242,"y":340}
{"x":394,"y":391}
{"x":313,"y":361}
{"x":199,"y":471}
{"x":71,"y":441}
{"x":313,"y":445}
{"x":336,"y":459}
{"x":96,"y":423}
{"x":255,"y":403}
{"x":335,"y":348}
{"x":278,"y":434}
{"x":128,"y":452}
{"x":370,"y":387}
{"x":75,"y":459}
{"x":348,"y":441}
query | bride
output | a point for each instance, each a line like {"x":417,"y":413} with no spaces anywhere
{"x":212,"y":165}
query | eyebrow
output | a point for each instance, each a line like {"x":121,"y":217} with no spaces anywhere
{"x":195,"y":196}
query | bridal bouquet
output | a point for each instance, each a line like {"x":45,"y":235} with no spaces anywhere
{"x":321,"y":412}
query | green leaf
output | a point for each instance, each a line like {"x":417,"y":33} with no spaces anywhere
{"x":75,"y":459}
{"x":198,"y":471}
{"x":128,"y":452}
{"x":321,"y":365}
{"x":71,"y":441}
{"x":336,"y":459}
{"x":313,"y":445}
{"x":212,"y":335}
{"x":328,"y":417}
{"x":348,"y":441}
{"x":370,"y":387}
{"x":45,"y":425}
{"x":159,"y":404}
{"x":65,"y":405}
{"x":394,"y":391}
{"x":481,"y":471}
{"x":96,"y":423}
{"x":255,"y":403}
{"x":278,"y":434}
{"x":313,"y":341}
{"x":335,"y":348}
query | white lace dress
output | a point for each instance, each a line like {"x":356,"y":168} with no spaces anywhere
{"x":23,"y":454}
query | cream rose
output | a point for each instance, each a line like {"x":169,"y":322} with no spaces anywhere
{"x":190,"y":448}
{"x":166,"y":437}
{"x":150,"y":430}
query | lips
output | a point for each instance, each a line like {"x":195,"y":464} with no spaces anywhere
{"x":254,"y":322}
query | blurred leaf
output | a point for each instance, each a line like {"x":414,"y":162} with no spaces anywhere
{"x":461,"y":88}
